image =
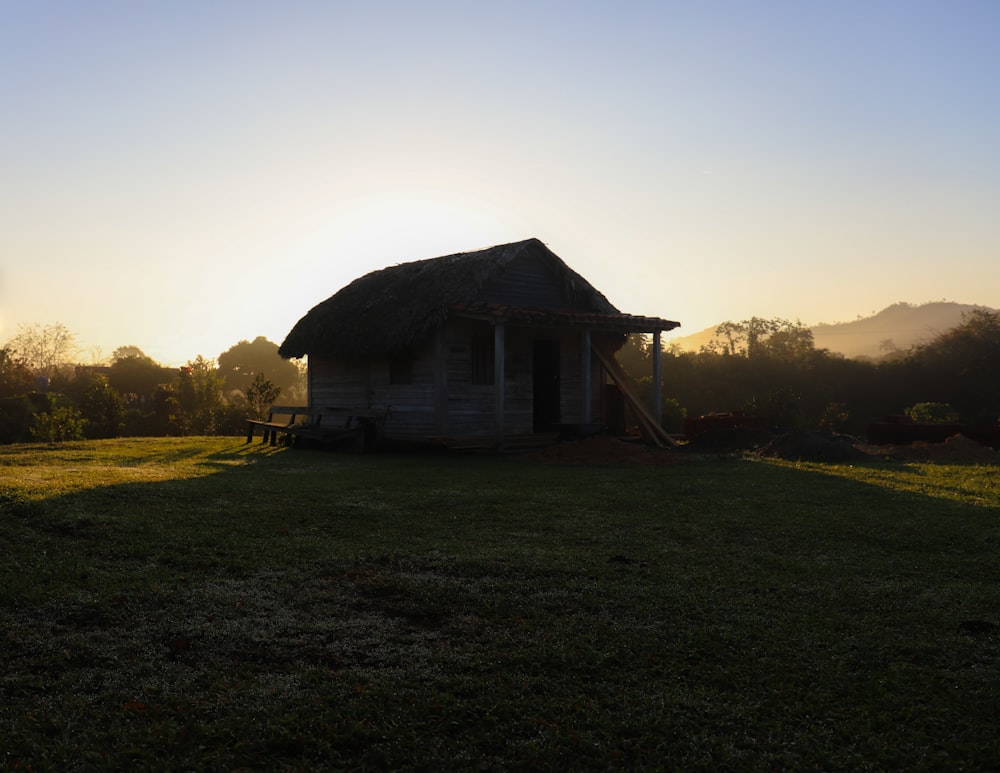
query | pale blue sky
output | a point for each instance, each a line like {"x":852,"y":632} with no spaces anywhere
{"x":182,"y":175}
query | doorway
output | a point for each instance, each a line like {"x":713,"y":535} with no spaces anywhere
{"x":546,"y":412}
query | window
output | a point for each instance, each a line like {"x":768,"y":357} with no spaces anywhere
{"x":401,"y":368}
{"x":482,"y":360}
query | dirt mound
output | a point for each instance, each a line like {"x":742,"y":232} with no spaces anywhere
{"x":954,"y":450}
{"x":601,"y":449}
{"x":813,"y":447}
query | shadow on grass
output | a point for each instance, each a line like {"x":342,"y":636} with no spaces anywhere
{"x":307,"y":610}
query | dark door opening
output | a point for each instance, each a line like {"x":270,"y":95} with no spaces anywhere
{"x":545,"y":394}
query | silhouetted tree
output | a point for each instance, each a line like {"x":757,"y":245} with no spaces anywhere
{"x":166,"y":418}
{"x":16,"y":378}
{"x":16,"y":415}
{"x":260,"y":395}
{"x":199,"y":391}
{"x":43,"y":347}
{"x":239,"y":365}
{"x":635,"y":355}
{"x":102,"y":407}
{"x":126,"y":352}
{"x":772,"y":368}
{"x":961,"y":367}
{"x":790,"y":342}
{"x":729,"y":339}
{"x":134,"y":373}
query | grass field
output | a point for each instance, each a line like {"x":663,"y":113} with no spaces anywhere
{"x":198,"y":604}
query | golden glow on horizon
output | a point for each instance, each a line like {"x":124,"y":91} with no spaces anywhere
{"x":813,"y":161}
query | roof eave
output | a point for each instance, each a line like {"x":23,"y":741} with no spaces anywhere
{"x":613,"y":323}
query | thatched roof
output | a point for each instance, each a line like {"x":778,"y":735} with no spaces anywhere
{"x":390,"y":309}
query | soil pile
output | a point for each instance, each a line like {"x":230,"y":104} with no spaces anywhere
{"x":813,"y":447}
{"x":954,"y":450}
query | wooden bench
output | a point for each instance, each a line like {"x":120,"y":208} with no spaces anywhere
{"x":326,"y":425}
{"x":270,"y":429}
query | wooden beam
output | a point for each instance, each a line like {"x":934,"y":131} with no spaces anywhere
{"x":499,"y":378}
{"x":441,"y":381}
{"x":657,"y":396}
{"x":651,"y":428}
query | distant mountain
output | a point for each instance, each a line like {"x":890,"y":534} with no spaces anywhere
{"x":895,"y":328}
{"x":693,"y":342}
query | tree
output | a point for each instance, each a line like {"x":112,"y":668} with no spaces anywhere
{"x":200,"y":395}
{"x":728,"y":339}
{"x":15,"y":376}
{"x":134,"y":373}
{"x":43,"y":347}
{"x":127,"y":352}
{"x":167,"y":410}
{"x":260,"y":395}
{"x":790,"y":342}
{"x":635,"y":355}
{"x":240,"y":364}
{"x":960,"y":367}
{"x":759,"y":337}
{"x":102,"y":406}
{"x":758,"y":330}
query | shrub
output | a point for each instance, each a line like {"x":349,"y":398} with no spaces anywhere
{"x":58,"y":421}
{"x":15,"y":420}
{"x":932,"y":412}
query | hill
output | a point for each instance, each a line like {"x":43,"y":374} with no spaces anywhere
{"x":895,"y":328}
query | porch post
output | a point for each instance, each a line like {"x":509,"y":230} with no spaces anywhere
{"x":657,"y":381}
{"x":585,"y":413}
{"x":498,"y":379}
{"x":441,"y":381}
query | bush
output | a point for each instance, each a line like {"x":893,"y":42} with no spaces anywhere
{"x":932,"y":413}
{"x":835,"y":417}
{"x":58,"y":421}
{"x":15,"y":420}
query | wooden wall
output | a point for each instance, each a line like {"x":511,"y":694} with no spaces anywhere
{"x":441,"y":400}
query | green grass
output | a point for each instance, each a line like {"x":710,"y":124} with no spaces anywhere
{"x":201,"y":604}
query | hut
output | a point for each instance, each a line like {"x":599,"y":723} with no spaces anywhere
{"x":476,"y":347}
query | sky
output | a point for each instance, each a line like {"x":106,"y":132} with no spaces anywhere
{"x":182,"y":175}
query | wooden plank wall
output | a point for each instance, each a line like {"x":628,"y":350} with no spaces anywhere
{"x":469,"y":407}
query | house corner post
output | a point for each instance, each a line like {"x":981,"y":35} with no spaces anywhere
{"x":499,"y":379}
{"x":441,"y":382}
{"x":657,"y":396}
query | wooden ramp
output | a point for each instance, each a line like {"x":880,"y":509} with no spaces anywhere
{"x":648,"y":424}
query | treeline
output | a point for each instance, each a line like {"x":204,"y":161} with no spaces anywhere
{"x":771,"y":368}
{"x":42,"y":398}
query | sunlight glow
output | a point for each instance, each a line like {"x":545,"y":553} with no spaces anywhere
{"x":398,"y":225}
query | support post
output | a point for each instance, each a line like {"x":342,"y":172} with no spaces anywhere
{"x":441,"y":381}
{"x":585,"y":413}
{"x":499,"y":379}
{"x":657,"y":380}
